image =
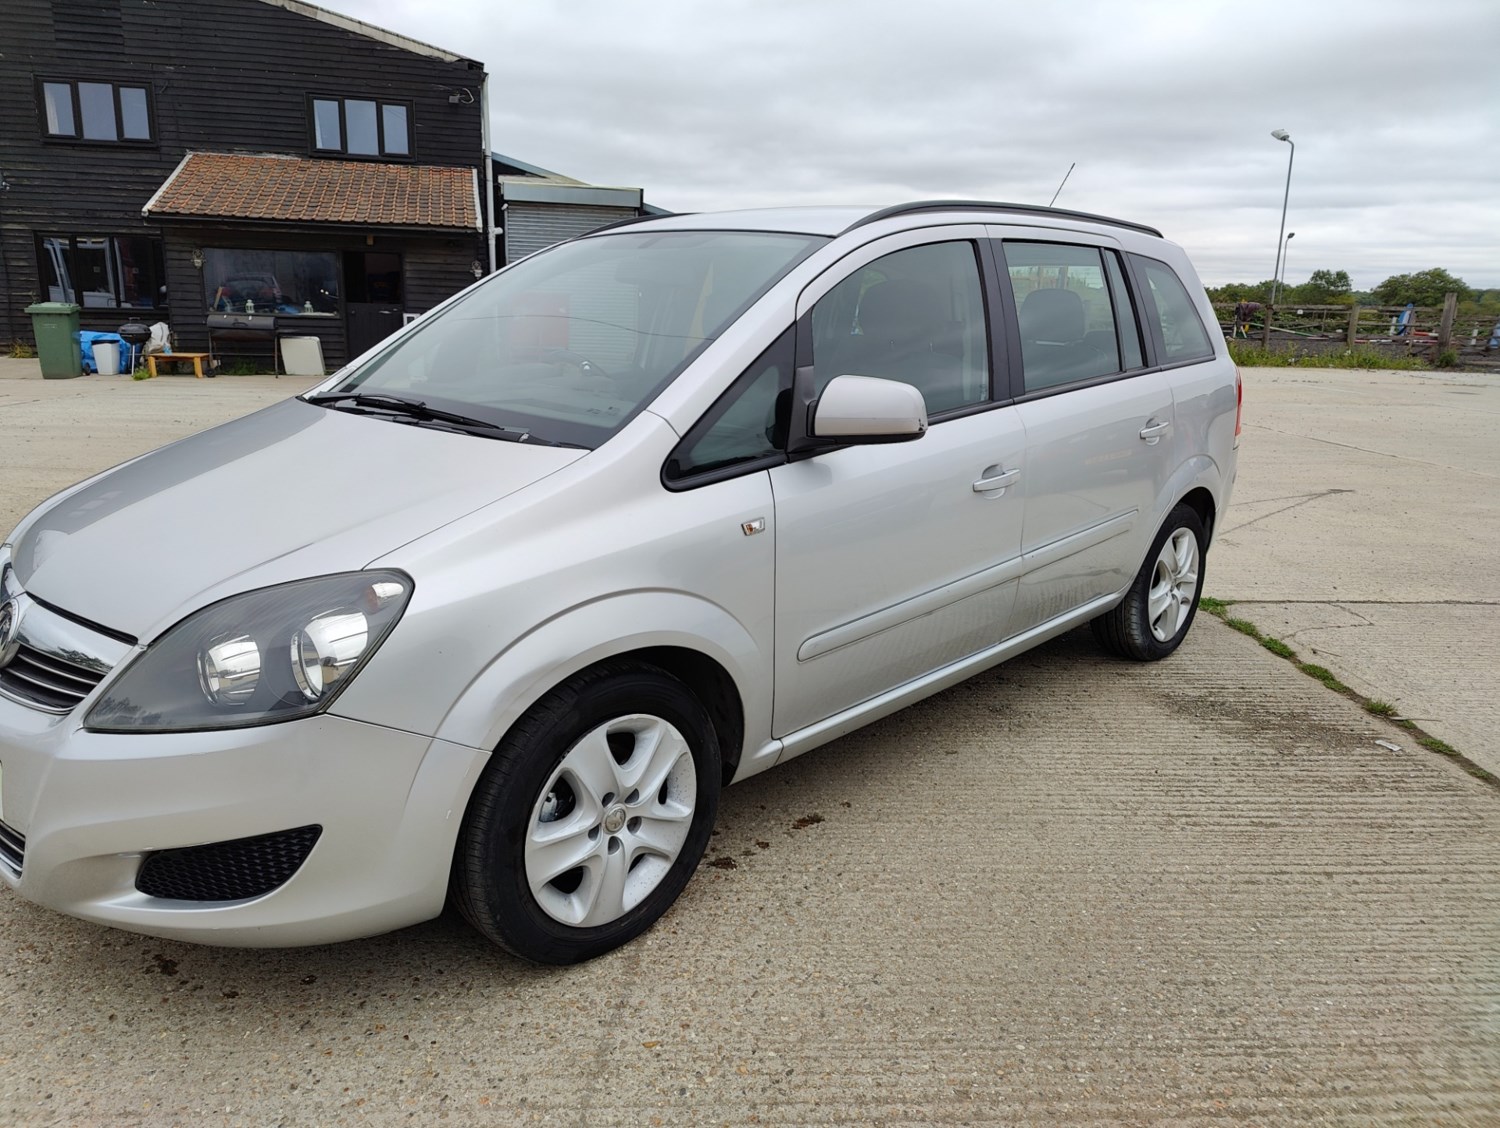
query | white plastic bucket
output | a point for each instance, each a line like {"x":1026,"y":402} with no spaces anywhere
{"x":107,"y":357}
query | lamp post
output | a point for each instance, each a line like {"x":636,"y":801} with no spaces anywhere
{"x":1286,"y":248}
{"x":1282,"y":135}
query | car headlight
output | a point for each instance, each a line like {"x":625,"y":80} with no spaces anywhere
{"x":253,"y":659}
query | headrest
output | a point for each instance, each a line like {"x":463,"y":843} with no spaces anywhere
{"x":1052,"y":315}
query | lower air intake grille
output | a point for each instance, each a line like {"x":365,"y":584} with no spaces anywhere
{"x":12,"y":849}
{"x":227,"y":871}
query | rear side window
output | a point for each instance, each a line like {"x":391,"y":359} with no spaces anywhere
{"x":1182,"y":332}
{"x":1066,"y":315}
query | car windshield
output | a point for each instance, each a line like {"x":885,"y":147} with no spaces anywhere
{"x":568,"y":345}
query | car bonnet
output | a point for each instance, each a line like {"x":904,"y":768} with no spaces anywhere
{"x":290,"y":492}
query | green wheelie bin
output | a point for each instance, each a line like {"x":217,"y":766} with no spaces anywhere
{"x":56,"y":328}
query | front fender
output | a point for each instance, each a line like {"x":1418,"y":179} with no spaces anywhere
{"x":584,"y":635}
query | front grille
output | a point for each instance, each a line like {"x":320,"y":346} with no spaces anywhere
{"x":12,"y":849}
{"x":51,"y":682}
{"x":227,"y":871}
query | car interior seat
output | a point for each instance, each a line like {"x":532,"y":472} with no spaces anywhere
{"x":1053,"y":344}
{"x":905,"y":333}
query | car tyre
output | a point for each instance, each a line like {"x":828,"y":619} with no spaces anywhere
{"x":590,"y":817}
{"x":1154,"y":617}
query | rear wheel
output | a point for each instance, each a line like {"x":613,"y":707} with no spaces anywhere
{"x":591,"y":816}
{"x":1154,"y":617}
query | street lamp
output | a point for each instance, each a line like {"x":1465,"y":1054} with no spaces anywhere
{"x":1282,"y":135}
{"x":1285,"y":251}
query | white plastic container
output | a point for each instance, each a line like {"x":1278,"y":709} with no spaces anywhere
{"x":107,"y":357}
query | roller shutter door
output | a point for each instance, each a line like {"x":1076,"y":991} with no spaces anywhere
{"x":529,"y":227}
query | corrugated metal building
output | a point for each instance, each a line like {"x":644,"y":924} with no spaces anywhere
{"x":537,"y":207}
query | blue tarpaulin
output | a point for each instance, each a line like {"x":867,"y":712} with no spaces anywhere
{"x":86,"y":341}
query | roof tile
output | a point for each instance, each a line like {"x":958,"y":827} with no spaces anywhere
{"x":303,"y":190}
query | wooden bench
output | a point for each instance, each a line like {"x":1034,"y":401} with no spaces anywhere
{"x":196,"y":358}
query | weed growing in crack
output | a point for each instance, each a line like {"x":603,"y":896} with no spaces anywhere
{"x":1279,"y":648}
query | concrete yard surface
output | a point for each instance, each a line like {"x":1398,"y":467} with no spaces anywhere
{"x":1072,"y":890}
{"x":1365,"y":533}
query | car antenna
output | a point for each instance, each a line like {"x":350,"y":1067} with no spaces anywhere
{"x":1058,"y":193}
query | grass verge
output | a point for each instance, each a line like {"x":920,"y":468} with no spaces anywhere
{"x":1220,"y":609}
{"x":1255,"y":356}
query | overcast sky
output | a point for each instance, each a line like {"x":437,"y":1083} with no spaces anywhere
{"x":1166,"y":106}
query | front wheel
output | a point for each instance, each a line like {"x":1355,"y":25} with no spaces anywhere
{"x":591,"y":816}
{"x":1154,"y":617}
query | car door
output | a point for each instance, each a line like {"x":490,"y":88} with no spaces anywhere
{"x":1098,"y":421}
{"x":893,"y":560}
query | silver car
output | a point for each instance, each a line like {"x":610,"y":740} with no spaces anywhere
{"x":495,"y":612}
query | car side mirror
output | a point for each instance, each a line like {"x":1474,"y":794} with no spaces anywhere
{"x":863,"y":409}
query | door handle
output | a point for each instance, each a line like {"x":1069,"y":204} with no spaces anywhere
{"x":1152,"y":432}
{"x":997,"y":482}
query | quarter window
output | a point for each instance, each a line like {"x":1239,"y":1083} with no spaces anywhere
{"x":1066,"y":316}
{"x":1182,"y":332}
{"x":746,"y":426}
{"x":361,"y":127}
{"x":916,"y":315}
{"x":96,"y":111}
{"x":103,"y":271}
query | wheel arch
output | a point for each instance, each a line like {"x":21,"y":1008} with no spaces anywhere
{"x":694,"y":641}
{"x":711,"y":684}
{"x":1201,"y":501}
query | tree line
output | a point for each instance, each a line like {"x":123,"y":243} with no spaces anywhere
{"x":1334,"y":287}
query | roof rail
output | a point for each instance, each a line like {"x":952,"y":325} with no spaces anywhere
{"x":628,"y":220}
{"x":986,"y":205}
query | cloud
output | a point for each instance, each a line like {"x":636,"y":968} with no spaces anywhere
{"x":1165,"y":107}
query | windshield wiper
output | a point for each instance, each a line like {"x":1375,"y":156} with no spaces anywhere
{"x":398,"y":405}
{"x":418,"y":412}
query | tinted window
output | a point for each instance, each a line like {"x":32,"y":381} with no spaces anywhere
{"x":743,"y":427}
{"x":1183,"y":335}
{"x":915,"y":315}
{"x":1066,"y":317}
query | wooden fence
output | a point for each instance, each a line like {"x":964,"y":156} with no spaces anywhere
{"x":1425,"y":330}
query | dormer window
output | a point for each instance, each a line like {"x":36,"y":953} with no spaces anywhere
{"x":95,"y":111}
{"x":361,"y":127}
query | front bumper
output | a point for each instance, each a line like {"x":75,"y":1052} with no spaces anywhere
{"x":91,"y":806}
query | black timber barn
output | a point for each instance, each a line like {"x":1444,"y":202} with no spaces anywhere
{"x":170,"y":160}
